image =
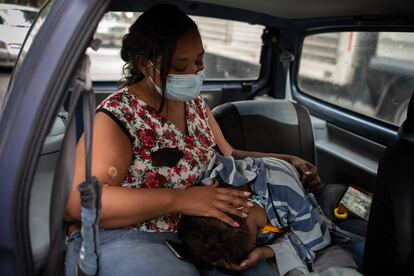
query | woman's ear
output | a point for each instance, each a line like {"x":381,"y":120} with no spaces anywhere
{"x":144,"y":66}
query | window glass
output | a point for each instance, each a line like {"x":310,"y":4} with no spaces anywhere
{"x":232,"y":49}
{"x":371,"y":73}
{"x":17,"y":18}
{"x":17,"y":29}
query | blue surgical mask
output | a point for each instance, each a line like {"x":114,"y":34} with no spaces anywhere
{"x":181,"y":87}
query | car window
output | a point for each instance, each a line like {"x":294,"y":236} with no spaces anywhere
{"x":232,"y":48}
{"x":17,"y":17}
{"x":34,"y":29}
{"x":371,"y":73}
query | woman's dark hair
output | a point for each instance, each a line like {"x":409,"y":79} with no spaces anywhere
{"x":153,"y":36}
{"x":210,"y":241}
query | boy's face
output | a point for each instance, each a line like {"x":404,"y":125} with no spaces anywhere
{"x":255,"y":222}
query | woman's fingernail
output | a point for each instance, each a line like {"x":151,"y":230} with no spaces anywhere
{"x":235,"y":224}
{"x":247,"y":193}
{"x":244,"y":215}
{"x":250,"y":204}
{"x":243,"y":264}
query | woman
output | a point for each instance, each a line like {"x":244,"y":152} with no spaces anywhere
{"x":158,"y":107}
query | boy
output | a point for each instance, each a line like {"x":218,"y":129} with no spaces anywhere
{"x":286,"y":206}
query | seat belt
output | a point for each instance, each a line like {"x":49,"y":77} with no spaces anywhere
{"x":287,"y":58}
{"x":304,"y":122}
{"x":63,"y":177}
{"x":90,"y":194}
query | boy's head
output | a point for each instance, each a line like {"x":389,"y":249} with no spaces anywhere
{"x":211,"y":241}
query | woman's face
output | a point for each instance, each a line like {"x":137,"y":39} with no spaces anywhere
{"x":188,"y":55}
{"x":187,"y":58}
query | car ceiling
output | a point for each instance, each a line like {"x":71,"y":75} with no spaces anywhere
{"x":305,"y":9}
{"x":292,"y":9}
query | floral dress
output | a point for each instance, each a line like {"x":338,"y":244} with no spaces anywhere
{"x":148,"y":132}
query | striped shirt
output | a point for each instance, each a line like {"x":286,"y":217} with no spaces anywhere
{"x":287,"y":205}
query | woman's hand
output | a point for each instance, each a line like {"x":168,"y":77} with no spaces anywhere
{"x":211,"y":201}
{"x":309,"y":172}
{"x":257,"y":254}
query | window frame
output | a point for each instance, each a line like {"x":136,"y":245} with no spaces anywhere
{"x":369,"y":127}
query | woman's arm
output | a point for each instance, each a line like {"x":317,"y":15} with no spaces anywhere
{"x":309,"y":171}
{"x":111,"y":159}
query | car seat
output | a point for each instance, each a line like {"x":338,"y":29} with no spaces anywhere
{"x":280,"y":126}
{"x":277,"y":126}
{"x":389,"y":248}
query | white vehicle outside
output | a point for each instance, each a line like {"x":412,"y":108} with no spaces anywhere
{"x":15,"y":21}
{"x":368,"y":72}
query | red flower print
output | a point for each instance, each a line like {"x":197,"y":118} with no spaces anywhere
{"x":141,"y":113}
{"x":202,"y":158}
{"x":143,"y":155}
{"x":184,"y":169}
{"x":154,"y":180}
{"x":147,"y":137}
{"x":129,"y":117}
{"x":149,"y":122}
{"x":113,"y":104}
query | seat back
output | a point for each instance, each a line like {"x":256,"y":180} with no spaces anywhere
{"x":274,"y":126}
{"x":40,"y":197}
{"x":389,"y":248}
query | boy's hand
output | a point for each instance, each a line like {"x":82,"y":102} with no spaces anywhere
{"x":257,"y":254}
{"x":309,"y":172}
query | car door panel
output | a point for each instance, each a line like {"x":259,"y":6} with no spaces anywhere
{"x":344,"y":157}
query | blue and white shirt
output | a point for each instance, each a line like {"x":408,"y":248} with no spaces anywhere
{"x":287,"y":205}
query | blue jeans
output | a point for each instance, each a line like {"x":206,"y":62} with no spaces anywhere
{"x":358,"y":246}
{"x":133,"y":252}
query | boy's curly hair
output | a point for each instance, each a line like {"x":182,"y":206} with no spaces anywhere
{"x":212,"y":242}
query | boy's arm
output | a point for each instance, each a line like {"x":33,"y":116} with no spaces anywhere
{"x":257,"y":254}
{"x":286,"y":256}
{"x":293,"y":209}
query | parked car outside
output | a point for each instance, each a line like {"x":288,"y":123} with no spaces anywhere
{"x":15,"y":21}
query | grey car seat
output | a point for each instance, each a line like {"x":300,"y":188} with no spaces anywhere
{"x":277,"y":126}
{"x":389,"y":248}
{"x":280,"y":126}
{"x":39,"y":210}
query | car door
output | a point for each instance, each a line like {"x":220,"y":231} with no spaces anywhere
{"x":47,"y":62}
{"x":356,"y":83}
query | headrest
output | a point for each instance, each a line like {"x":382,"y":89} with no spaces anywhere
{"x":406,"y":130}
{"x":278,"y":110}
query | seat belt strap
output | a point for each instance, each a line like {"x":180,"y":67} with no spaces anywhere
{"x":287,"y":58}
{"x":90,"y":194}
{"x":62,"y":183}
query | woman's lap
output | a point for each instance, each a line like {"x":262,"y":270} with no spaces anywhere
{"x":133,"y":252}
